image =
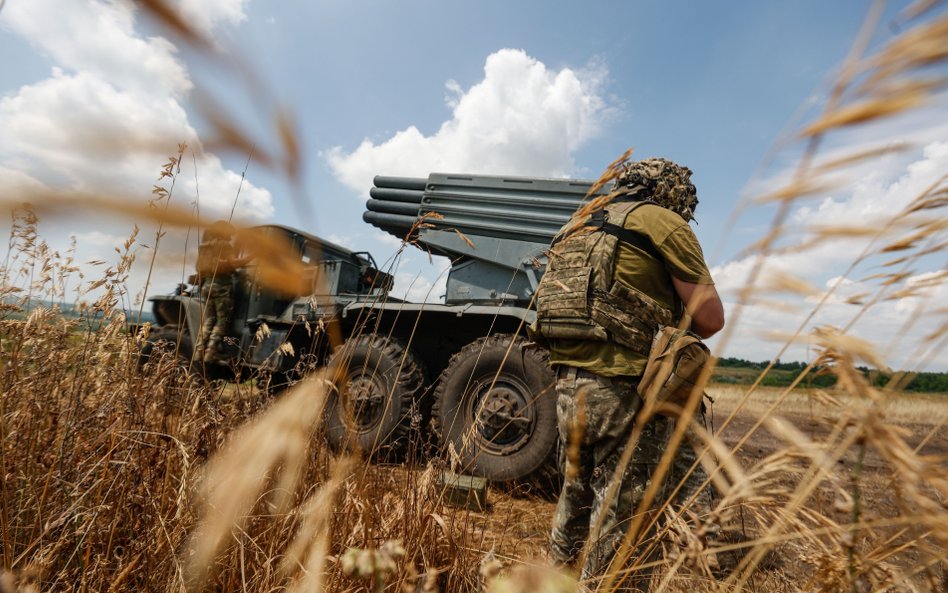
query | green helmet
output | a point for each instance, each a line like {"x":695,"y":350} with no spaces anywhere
{"x":667,"y":183}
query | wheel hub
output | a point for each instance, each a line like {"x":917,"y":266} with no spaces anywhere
{"x":504,"y":418}
{"x":367,"y":399}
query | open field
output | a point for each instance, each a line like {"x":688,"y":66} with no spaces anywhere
{"x":121,"y":479}
{"x":517,"y":528}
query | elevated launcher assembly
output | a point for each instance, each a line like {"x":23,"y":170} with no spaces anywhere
{"x":493,"y":229}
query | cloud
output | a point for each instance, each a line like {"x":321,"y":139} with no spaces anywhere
{"x":99,"y":39}
{"x":900,"y":327}
{"x":77,"y":124}
{"x":894,"y":323}
{"x":208,"y":15}
{"x":418,"y":288}
{"x":387,"y":239}
{"x":112,"y":109}
{"x":522,"y":118}
{"x":219,"y":187}
{"x":15,"y":182}
{"x":99,"y":239}
{"x":873,"y":201}
{"x":342,"y":240}
{"x":108,"y":116}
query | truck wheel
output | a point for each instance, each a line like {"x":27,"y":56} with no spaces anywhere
{"x":272,"y":383}
{"x":379,"y":382}
{"x":496,"y":405}
{"x":170,"y":340}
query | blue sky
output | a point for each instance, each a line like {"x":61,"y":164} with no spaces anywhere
{"x":405,"y":88}
{"x":708,"y":84}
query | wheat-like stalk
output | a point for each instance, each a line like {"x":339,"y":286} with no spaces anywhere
{"x":118,"y":476}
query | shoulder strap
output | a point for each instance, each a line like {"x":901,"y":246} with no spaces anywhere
{"x":634,"y":238}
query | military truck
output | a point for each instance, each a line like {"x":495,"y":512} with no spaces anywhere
{"x":462,"y":369}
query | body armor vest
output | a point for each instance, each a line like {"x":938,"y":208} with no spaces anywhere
{"x":211,"y":252}
{"x":579,"y":298}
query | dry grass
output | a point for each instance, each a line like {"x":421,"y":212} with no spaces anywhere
{"x":900,"y":407}
{"x":104,"y":467}
{"x":118,"y":478}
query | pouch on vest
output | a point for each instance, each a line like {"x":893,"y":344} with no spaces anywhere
{"x":579,"y":297}
{"x":674,"y":366}
{"x":567,"y":291}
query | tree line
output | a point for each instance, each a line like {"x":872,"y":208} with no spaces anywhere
{"x":783,"y":374}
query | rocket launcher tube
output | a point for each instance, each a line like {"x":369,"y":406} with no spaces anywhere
{"x":494,"y":229}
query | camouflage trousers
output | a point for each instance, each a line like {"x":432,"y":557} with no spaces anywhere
{"x":218,"y":310}
{"x":596,"y":416}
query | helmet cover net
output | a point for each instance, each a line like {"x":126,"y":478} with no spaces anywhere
{"x":667,"y":183}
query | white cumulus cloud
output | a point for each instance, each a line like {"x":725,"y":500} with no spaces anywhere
{"x":112,"y":109}
{"x":522,"y":118}
{"x":419,"y":288}
{"x":99,"y":39}
{"x":342,"y":240}
{"x":210,"y":14}
{"x":106,"y":118}
{"x":893,"y":323}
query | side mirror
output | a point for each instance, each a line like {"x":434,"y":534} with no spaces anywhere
{"x":378,"y":280}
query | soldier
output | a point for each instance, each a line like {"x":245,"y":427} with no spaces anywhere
{"x":616,"y":274}
{"x":216,"y":262}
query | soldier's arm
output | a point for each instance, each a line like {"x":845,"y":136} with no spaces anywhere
{"x":703,"y":305}
{"x":240,"y":262}
{"x":230,"y":260}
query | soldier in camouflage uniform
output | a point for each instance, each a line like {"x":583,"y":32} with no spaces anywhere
{"x":216,"y":263}
{"x":616,"y":275}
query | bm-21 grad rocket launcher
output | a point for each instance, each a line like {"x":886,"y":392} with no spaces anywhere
{"x":459,"y":373}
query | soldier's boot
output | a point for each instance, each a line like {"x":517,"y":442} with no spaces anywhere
{"x":211,"y":352}
{"x":199,"y":351}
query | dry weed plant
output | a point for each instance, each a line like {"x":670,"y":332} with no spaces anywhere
{"x":117,"y":477}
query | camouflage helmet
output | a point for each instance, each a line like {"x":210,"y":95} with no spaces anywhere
{"x":220,"y":229}
{"x":667,"y":183}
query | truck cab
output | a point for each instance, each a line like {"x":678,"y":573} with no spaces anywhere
{"x":265,"y":317}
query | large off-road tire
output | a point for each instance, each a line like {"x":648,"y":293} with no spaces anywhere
{"x":379,"y":382}
{"x":168,"y":340}
{"x":495,"y":404}
{"x":168,"y":350}
{"x":274,"y":382}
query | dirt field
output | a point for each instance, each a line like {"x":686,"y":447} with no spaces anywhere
{"x":516,"y":528}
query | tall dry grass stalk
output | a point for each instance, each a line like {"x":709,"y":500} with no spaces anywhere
{"x":117,"y":477}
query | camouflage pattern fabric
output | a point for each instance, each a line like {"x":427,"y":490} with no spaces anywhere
{"x":215,"y":267}
{"x":213,"y":252}
{"x":667,"y":183}
{"x":579,"y":298}
{"x":218,"y":309}
{"x":598,"y":415}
